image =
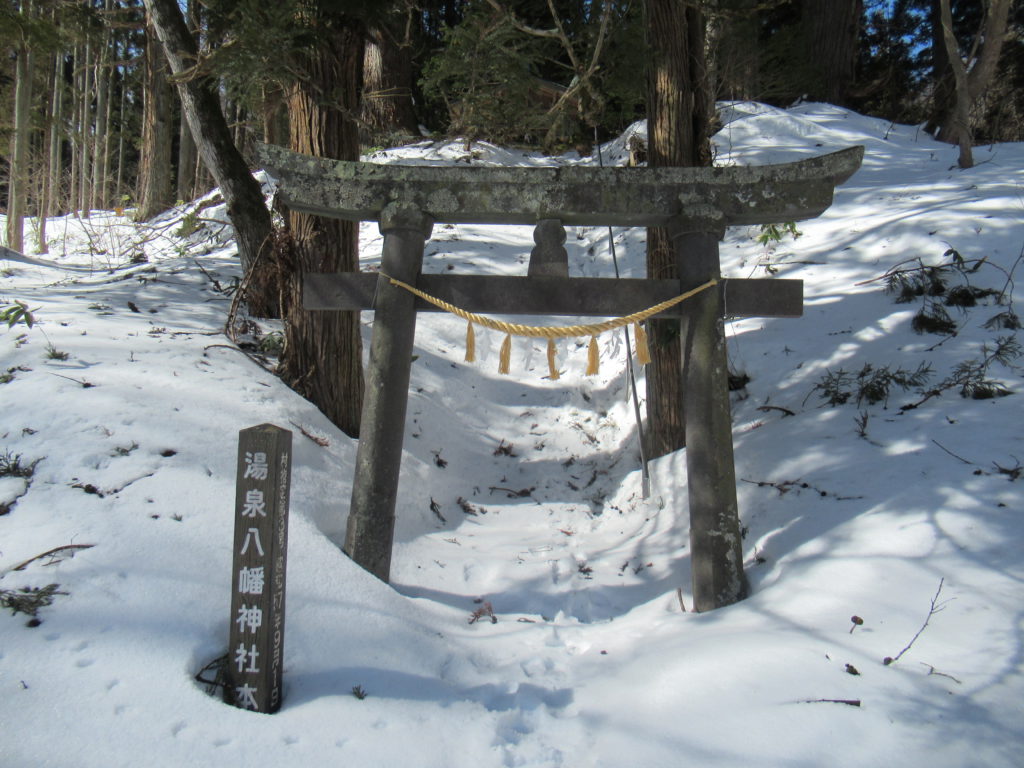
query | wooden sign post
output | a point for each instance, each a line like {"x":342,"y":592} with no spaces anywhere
{"x":256,"y":638}
{"x":695,"y":204}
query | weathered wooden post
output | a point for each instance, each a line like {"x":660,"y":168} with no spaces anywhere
{"x":256,"y":638}
{"x":716,"y":552}
{"x":371,"y":518}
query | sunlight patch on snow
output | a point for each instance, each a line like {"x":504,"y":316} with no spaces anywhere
{"x":897,"y":447}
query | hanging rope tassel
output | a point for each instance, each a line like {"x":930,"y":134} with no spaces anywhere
{"x":470,"y":343}
{"x":593,"y":357}
{"x":506,"y":354}
{"x":552,"y":365}
{"x":643,"y":352}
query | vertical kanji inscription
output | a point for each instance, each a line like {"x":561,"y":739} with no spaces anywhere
{"x":259,"y":560}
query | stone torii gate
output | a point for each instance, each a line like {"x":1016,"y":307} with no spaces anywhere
{"x":695,"y":204}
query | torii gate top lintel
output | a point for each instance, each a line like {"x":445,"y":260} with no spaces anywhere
{"x":576,"y":195}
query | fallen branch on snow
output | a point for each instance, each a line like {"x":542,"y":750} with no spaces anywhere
{"x":935,"y":608}
{"x":51,"y":553}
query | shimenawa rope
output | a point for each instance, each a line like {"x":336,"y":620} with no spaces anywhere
{"x":553,"y":332}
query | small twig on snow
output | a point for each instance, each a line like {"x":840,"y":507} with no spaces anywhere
{"x":521,"y":493}
{"x":933,"y":609}
{"x":931,"y":671}
{"x":211,"y":278}
{"x":960,"y":458}
{"x":220,"y":680}
{"x":1012,"y":472}
{"x":52,"y":552}
{"x":84,"y":384}
{"x":679,"y":594}
{"x":436,"y":509}
{"x":847,"y":702}
{"x":323,"y":442}
{"x":484,"y":610}
{"x":785,"y":411}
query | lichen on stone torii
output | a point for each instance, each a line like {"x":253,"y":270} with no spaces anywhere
{"x":576,"y":195}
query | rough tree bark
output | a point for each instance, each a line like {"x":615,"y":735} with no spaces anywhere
{"x":943,"y":93}
{"x":187,"y":152}
{"x":18,"y":177}
{"x":187,"y":149}
{"x":154,"y":195}
{"x":830,"y":36}
{"x":85,"y":127}
{"x":99,"y":193}
{"x":53,"y":163}
{"x":387,"y":106}
{"x":323,"y":350}
{"x":960,"y":120}
{"x":272,"y":103}
{"x":678,"y":120}
{"x":246,"y":206}
{"x":119,"y":194}
{"x":734,"y":46}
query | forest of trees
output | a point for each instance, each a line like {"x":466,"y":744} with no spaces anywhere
{"x":137,"y":104}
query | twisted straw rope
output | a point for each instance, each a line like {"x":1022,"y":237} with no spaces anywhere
{"x":553,"y":331}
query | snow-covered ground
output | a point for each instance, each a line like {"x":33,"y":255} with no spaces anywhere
{"x":864,"y":510}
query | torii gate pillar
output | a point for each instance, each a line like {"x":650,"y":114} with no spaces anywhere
{"x":371,"y":518}
{"x":711,"y":476}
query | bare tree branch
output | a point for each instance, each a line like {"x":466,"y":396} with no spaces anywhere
{"x":522,"y":27}
{"x":935,"y":608}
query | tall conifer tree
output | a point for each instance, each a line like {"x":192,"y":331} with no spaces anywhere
{"x":323,"y":350}
{"x":678,"y":124}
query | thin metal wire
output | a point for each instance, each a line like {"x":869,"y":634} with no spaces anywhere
{"x":645,"y":473}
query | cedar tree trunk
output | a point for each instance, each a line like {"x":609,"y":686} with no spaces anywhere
{"x":18,"y":178}
{"x":831,"y":31}
{"x":387,"y":106}
{"x":323,"y":350}
{"x":154,"y":193}
{"x":678,"y":120}
{"x":734,"y":47}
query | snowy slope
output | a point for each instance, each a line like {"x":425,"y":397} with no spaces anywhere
{"x":854,"y":509}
